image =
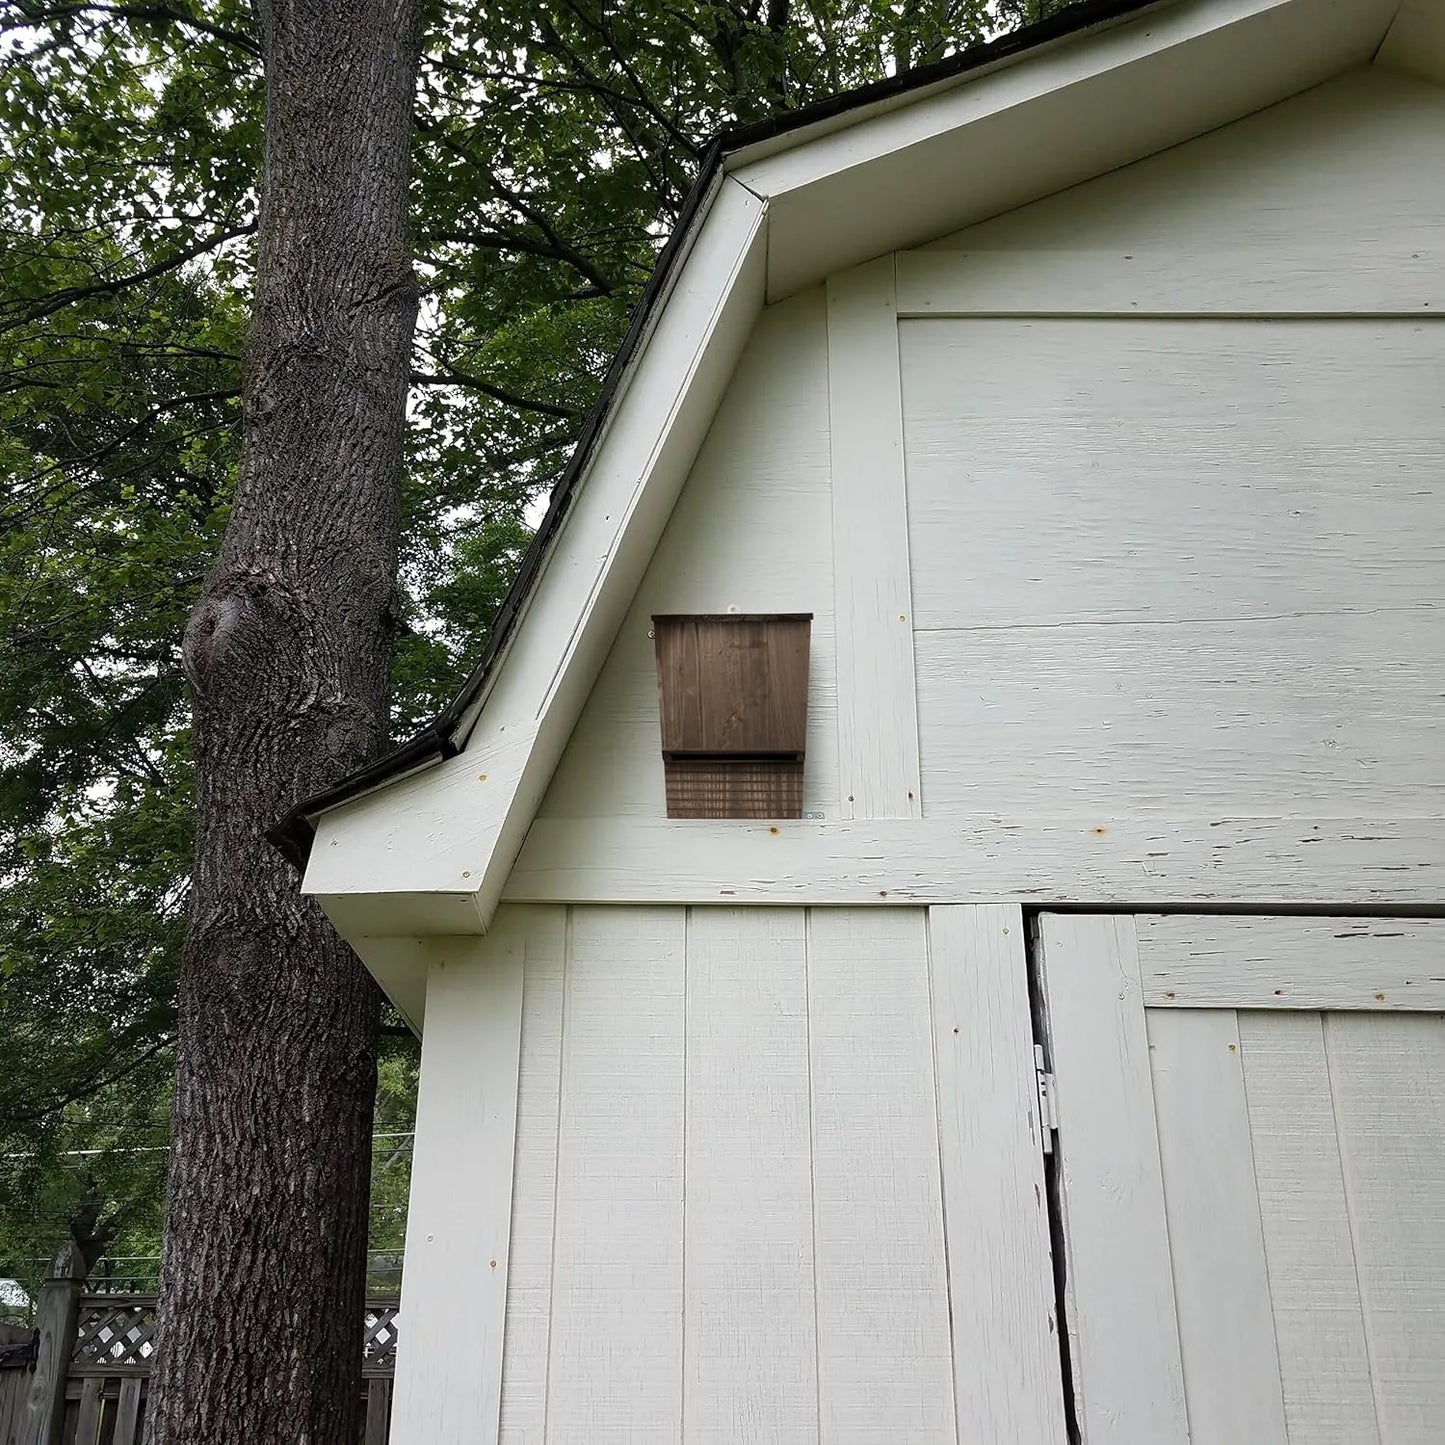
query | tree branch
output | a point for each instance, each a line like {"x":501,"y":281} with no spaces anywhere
{"x":506,"y":241}
{"x":159,"y":14}
{"x":565,"y":252}
{"x":453,"y":377}
{"x":23,"y":312}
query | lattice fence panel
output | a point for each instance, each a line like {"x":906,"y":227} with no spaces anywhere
{"x":379,"y":1334}
{"x":114,"y":1331}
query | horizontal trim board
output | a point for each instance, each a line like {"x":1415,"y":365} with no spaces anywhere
{"x":1341,"y":863}
{"x":1189,"y":961}
{"x":1257,"y":282}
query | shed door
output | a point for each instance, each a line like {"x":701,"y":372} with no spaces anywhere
{"x":1251,"y":1147}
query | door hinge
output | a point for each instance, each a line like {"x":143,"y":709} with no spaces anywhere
{"x":1048,"y":1119}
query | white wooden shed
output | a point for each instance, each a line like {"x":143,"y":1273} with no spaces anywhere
{"x":1089,"y":393}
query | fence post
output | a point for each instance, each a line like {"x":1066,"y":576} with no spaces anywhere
{"x":56,"y":1321}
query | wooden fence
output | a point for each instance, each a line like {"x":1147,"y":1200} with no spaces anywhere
{"x":80,"y":1377}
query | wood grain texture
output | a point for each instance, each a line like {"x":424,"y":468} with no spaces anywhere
{"x":749,"y":1325}
{"x":1179,"y":661}
{"x":1387,"y":1078}
{"x":1200,"y":961}
{"x":732,"y":684}
{"x":449,"y":1359}
{"x":378,"y":1411}
{"x":87,"y":1420}
{"x":1100,"y":440}
{"x":1221,"y":1280}
{"x":1310,"y":206}
{"x":1006,"y":1364}
{"x":1334,"y":715}
{"x":877,"y":721}
{"x":1321,"y":280}
{"x":1126,"y":1350}
{"x":1109,"y":860}
{"x":1333,"y":170}
{"x":617,"y":1301}
{"x":884,"y":1368}
{"x":751,"y":530}
{"x":1319,"y":1329}
{"x":534,"y":1184}
{"x":127,"y":1412}
{"x":996,"y":140}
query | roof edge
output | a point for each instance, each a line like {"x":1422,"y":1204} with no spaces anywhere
{"x":445,"y":736}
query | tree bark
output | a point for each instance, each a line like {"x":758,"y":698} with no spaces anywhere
{"x":288,"y":653}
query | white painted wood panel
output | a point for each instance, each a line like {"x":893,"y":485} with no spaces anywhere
{"x":615,"y":1371}
{"x":1319,"y":280}
{"x":1415,"y":44}
{"x":884,"y":1368}
{"x":534,"y":1183}
{"x":440,"y":842}
{"x":1387,"y":1077}
{"x":877,"y":721}
{"x":752,"y":530}
{"x":1201,"y":961}
{"x":1006,"y":1363}
{"x":1318,"y":1326}
{"x":999,"y":137}
{"x":1078,"y":471}
{"x":1337,"y":715}
{"x":750,"y":1326}
{"x":449,"y":1360}
{"x":1336,"y":167}
{"x":1122,"y":862}
{"x":1124,"y":1335}
{"x":1221,"y":1281}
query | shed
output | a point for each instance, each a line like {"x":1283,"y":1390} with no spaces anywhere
{"x":1020,"y":1019}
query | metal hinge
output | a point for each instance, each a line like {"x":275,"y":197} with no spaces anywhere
{"x":1048,"y":1119}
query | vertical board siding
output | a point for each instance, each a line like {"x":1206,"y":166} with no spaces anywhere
{"x":1126,"y":1333}
{"x":734,"y":1156}
{"x":884,"y":1369}
{"x":749,"y":1328}
{"x":751,"y":531}
{"x":877,"y":719}
{"x":534,"y":1184}
{"x":1001,"y":1287}
{"x":1221,"y":1280}
{"x":1319,"y":1329}
{"x":1387,"y":1077}
{"x":449,"y":1360}
{"x":617,"y":1305}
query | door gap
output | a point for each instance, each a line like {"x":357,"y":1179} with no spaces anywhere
{"x":1053,"y":1190}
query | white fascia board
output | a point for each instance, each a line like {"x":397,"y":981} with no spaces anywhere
{"x":1049,"y":120}
{"x":429,"y":853}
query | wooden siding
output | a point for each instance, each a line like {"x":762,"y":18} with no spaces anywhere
{"x":1129,"y":606}
{"x":1173,"y":581}
{"x":751,"y":531}
{"x":1330,"y":174}
{"x":1250,"y":1183}
{"x":733,"y":1165}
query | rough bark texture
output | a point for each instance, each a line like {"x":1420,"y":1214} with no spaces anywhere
{"x":288,"y":654}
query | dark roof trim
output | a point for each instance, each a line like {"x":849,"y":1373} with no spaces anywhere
{"x":444,"y":737}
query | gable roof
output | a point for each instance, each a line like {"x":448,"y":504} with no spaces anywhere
{"x":446,"y":734}
{"x":421,"y":841}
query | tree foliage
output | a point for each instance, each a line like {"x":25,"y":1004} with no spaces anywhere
{"x":554,"y":146}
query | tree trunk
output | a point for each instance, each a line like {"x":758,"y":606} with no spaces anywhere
{"x":288,"y":653}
